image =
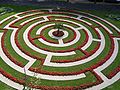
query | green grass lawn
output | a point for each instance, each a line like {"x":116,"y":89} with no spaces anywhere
{"x":3,"y":86}
{"x":12,"y":52}
{"x":115,"y":86}
{"x":90,"y":78}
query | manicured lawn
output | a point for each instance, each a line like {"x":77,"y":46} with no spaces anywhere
{"x":3,"y":86}
{"x":7,"y":22}
{"x":90,"y":77}
{"x":114,"y":65}
{"x":12,"y":52}
{"x":115,"y":86}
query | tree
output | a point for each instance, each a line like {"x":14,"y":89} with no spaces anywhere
{"x":58,"y":26}
{"x":31,"y":81}
{"x":25,"y":79}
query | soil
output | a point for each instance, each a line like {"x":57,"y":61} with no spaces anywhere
{"x":58,"y":34}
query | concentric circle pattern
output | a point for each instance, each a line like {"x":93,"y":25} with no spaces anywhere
{"x":85,"y":57}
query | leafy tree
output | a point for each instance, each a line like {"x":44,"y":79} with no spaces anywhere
{"x":58,"y":26}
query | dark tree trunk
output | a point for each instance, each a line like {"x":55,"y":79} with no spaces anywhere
{"x":58,"y":31}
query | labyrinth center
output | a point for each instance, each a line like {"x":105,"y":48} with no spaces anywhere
{"x":86,"y":55}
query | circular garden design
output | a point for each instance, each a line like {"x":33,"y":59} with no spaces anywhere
{"x":84,"y":56}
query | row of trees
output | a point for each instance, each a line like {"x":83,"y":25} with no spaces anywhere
{"x":95,"y":1}
{"x":112,"y":1}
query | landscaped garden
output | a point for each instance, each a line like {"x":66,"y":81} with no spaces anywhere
{"x":50,"y":49}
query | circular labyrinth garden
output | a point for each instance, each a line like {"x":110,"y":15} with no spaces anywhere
{"x":85,"y":56}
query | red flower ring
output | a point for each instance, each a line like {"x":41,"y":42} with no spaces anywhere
{"x":76,"y":48}
{"x":44,"y":38}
